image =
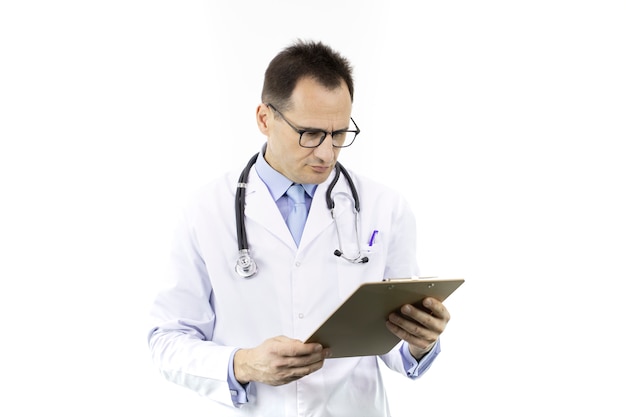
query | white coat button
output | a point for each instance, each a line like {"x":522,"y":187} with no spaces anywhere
{"x":298,"y":264}
{"x":301,"y":315}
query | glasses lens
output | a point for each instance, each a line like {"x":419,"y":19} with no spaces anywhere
{"x":311,"y":139}
{"x":314,"y":139}
{"x":343,"y":139}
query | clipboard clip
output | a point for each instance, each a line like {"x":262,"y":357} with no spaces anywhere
{"x":405,"y":279}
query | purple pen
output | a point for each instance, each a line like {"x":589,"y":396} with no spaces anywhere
{"x":373,"y":237}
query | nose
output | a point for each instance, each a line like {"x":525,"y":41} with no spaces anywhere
{"x":325,"y":152}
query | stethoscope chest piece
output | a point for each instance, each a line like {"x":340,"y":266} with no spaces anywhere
{"x":245,"y":267}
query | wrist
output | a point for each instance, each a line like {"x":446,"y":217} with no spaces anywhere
{"x":239,"y":368}
{"x":418,"y":353}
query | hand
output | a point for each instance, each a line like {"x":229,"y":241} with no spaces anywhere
{"x":278,"y":361}
{"x":419,"y":328}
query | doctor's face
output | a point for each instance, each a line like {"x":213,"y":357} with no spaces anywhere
{"x":313,"y":107}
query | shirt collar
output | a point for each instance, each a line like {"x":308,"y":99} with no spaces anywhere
{"x":276,"y":182}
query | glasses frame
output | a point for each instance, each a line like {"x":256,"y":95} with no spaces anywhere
{"x":303,"y":131}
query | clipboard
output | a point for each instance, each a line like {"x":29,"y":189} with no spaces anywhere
{"x":357,"y":327}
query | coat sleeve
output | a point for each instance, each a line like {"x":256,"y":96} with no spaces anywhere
{"x":183,"y":319}
{"x":402,"y":262}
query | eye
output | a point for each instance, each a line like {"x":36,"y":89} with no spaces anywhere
{"x":312,"y":137}
{"x":312,"y":134}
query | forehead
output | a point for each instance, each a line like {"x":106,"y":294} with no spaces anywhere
{"x":309,"y":97}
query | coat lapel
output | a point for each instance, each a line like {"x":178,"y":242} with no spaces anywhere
{"x":261,"y":208}
{"x":320,"y":217}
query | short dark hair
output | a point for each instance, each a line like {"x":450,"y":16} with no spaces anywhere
{"x":304,"y":59}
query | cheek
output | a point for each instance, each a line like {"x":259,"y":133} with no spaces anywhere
{"x":282,"y":156}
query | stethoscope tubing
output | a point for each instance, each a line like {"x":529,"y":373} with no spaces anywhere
{"x":245,"y":266}
{"x":240,"y":204}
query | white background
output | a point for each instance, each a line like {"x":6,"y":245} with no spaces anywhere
{"x":503,"y":122}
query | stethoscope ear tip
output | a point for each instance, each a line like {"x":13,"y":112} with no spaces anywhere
{"x":357,"y":260}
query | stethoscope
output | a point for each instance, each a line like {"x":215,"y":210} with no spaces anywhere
{"x":246,"y":267}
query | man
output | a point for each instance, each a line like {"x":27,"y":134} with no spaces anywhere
{"x":238,"y":340}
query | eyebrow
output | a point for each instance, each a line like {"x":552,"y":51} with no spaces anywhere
{"x":318,"y":129}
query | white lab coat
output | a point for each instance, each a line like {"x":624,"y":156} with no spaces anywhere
{"x":208,"y":310}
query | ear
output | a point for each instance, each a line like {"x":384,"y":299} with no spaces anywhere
{"x":263,"y":118}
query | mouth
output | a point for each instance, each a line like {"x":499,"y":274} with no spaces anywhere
{"x":321,"y":169}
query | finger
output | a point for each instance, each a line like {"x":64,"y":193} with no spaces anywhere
{"x":311,"y":349}
{"x":300,"y":361}
{"x":436,"y":308}
{"x":315,"y":359}
{"x":415,"y":323}
{"x":415,"y":315}
{"x":408,"y":327}
{"x":297,"y":367}
{"x":292,"y":348}
{"x":416,"y":336}
{"x":435,"y":319}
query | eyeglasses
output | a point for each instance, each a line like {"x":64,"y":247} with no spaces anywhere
{"x":312,"y":138}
